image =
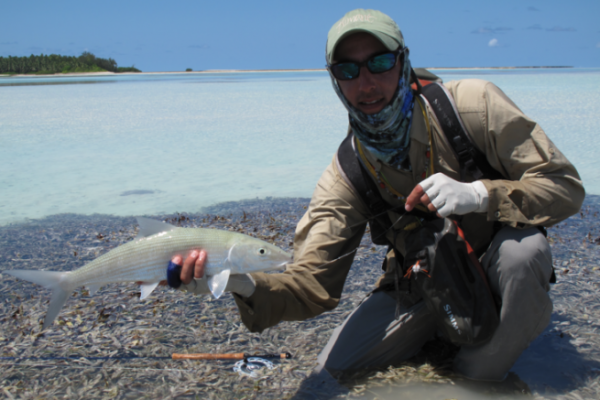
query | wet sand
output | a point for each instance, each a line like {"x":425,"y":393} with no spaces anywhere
{"x":111,"y":345}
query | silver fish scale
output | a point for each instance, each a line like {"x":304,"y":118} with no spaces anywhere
{"x":146,"y":259}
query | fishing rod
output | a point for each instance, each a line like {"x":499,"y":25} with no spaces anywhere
{"x":247,"y":365}
{"x":353,"y":226}
{"x":75,"y":358}
{"x":175,"y":356}
{"x":228,"y":356}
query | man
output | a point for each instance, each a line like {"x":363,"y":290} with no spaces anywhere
{"x":397,"y":138}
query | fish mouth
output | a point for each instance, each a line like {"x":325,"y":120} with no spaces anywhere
{"x":279,"y":265}
{"x":278,"y":260}
{"x":284,"y":264}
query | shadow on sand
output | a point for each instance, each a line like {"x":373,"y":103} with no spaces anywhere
{"x":551,"y":367}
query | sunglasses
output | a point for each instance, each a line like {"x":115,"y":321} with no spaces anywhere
{"x":345,"y":71}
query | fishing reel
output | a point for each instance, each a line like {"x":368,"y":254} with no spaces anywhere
{"x":249,"y":366}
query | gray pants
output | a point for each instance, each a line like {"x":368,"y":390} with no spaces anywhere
{"x":518,"y":264}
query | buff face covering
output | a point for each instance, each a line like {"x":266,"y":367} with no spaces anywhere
{"x":386,"y":133}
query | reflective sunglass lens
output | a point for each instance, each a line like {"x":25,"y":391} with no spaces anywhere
{"x":376,"y":65}
{"x":345,"y":71}
{"x":382,"y":63}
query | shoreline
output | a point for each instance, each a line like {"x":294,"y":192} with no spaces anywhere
{"x":227,"y":207}
{"x":237,"y":71}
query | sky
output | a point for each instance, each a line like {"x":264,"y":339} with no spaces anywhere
{"x":220,"y":34}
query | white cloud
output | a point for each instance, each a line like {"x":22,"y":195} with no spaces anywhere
{"x":535,"y":27}
{"x":487,"y":31}
{"x":483,"y":31}
{"x":561,"y":29}
{"x":598,"y":45}
{"x":493,"y":43}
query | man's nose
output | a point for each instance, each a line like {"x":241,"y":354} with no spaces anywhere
{"x":365,"y":79}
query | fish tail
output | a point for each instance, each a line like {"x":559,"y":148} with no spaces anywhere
{"x":55,"y":281}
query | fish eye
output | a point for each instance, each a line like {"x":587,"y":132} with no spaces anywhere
{"x":261,"y":251}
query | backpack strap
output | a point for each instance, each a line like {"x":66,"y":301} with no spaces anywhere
{"x":470,"y":158}
{"x":358,"y":178}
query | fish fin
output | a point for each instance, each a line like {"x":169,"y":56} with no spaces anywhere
{"x":217,"y":283}
{"x":146,"y":289}
{"x":50,"y":280}
{"x":230,"y":261}
{"x":92,"y":288}
{"x":59,"y":297}
{"x":149,"y":227}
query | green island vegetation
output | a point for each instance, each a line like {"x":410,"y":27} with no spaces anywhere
{"x":53,"y":64}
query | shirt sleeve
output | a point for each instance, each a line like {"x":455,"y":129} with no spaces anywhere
{"x":324,"y":247}
{"x":541,"y":187}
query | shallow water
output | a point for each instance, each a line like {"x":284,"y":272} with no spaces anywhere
{"x":184,"y":141}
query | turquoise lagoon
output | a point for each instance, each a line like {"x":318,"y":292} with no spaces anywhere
{"x":161,"y":143}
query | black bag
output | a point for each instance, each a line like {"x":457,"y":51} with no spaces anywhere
{"x":443,"y":268}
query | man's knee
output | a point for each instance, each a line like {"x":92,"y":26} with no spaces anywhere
{"x":519,"y":265}
{"x":372,"y":337}
{"x":520,"y":254}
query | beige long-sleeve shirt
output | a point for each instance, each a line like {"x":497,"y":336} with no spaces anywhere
{"x":541,"y":188}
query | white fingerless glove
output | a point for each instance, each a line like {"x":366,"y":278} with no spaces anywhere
{"x":242,"y":284}
{"x":452,"y":197}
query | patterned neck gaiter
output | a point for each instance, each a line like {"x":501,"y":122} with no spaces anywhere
{"x":385,"y":134}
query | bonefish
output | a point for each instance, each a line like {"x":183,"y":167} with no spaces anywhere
{"x":145,"y":259}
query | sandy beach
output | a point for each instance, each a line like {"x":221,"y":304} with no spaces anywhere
{"x":238,"y":71}
{"x":208,"y":71}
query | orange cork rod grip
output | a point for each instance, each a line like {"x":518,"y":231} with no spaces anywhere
{"x":208,"y":356}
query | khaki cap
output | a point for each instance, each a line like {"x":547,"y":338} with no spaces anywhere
{"x":371,"y":21}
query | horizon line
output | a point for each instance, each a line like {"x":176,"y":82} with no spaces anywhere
{"x":213,"y":71}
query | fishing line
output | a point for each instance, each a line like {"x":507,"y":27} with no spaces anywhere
{"x":355,"y":250}
{"x":73,"y":358}
{"x":373,"y":217}
{"x":326,"y":263}
{"x":84,"y":357}
{"x":95,"y":367}
{"x":18,"y":360}
{"x":246,"y":366}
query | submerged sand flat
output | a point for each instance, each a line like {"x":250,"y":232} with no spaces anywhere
{"x":212,"y":71}
{"x":111,"y":345}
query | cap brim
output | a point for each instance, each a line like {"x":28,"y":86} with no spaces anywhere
{"x":390,"y":43}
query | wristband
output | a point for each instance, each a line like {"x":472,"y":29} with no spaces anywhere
{"x":174,"y":275}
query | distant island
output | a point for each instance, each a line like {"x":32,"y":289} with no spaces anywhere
{"x":54,"y":64}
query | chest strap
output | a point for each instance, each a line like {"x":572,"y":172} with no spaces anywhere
{"x":472,"y":160}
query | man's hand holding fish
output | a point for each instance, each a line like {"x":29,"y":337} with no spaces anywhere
{"x":193,"y":280}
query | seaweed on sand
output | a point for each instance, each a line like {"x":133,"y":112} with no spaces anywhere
{"x":111,"y":345}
